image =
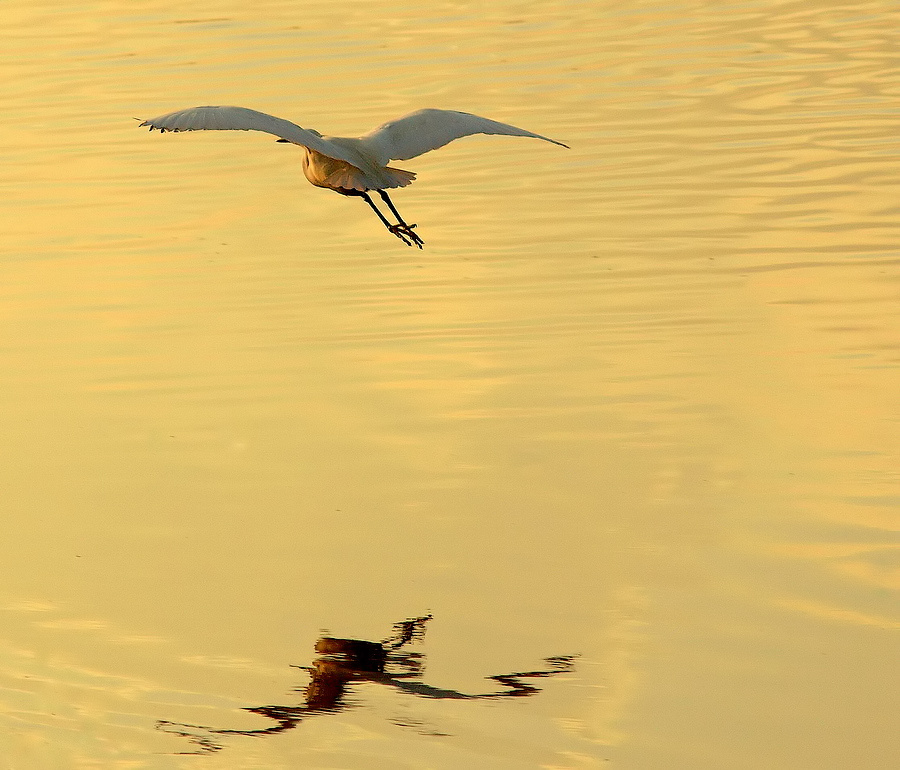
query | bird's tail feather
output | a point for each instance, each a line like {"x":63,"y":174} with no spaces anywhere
{"x":349,"y":177}
{"x":399,"y":177}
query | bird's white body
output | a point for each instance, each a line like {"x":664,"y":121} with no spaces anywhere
{"x":351,"y":166}
{"x":362,"y":175}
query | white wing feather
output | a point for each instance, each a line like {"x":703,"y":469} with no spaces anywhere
{"x":243,"y":119}
{"x":426,"y":130}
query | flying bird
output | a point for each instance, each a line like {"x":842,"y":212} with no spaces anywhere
{"x":352,"y":166}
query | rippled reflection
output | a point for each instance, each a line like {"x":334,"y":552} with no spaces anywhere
{"x":346,"y":662}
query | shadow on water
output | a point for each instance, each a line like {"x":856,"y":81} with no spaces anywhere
{"x":345,"y":662}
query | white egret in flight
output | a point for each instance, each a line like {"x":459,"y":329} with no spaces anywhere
{"x":352,"y":166}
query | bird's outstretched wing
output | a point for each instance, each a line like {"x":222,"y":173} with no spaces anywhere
{"x":426,"y":130}
{"x":243,"y":119}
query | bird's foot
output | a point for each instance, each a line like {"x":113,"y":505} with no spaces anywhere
{"x":404,"y":233}
{"x":400,"y":233}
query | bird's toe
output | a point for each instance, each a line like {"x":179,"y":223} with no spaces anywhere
{"x":404,"y":232}
{"x":400,"y":233}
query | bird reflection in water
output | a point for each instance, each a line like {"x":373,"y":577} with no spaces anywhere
{"x":344,"y":662}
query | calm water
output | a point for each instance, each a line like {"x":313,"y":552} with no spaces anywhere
{"x":626,"y":429}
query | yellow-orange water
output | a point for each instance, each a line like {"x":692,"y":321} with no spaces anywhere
{"x":635,"y":401}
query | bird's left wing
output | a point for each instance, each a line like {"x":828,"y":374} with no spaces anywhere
{"x":243,"y":119}
{"x":425,"y":130}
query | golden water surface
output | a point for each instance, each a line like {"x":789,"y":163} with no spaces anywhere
{"x":626,"y":428}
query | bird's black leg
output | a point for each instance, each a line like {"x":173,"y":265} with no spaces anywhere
{"x":395,"y":229}
{"x":403,"y":227}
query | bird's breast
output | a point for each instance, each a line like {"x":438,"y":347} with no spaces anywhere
{"x":332,"y":173}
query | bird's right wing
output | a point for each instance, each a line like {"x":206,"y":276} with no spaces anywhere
{"x":243,"y":119}
{"x":425,"y":130}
